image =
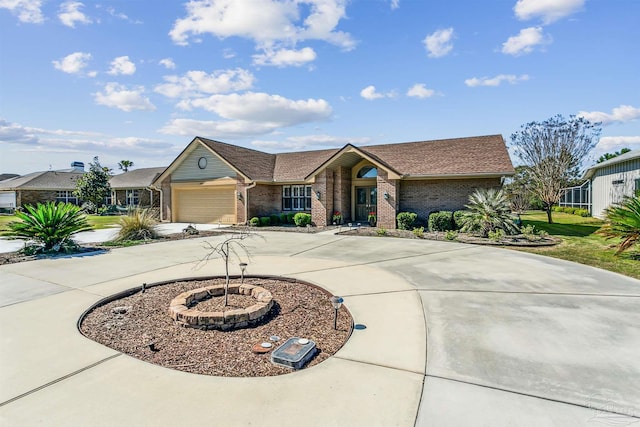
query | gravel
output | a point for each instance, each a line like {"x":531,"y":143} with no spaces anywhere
{"x":140,"y":326}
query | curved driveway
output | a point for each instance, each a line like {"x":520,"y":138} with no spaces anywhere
{"x":451,"y":334}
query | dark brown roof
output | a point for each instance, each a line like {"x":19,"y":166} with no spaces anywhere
{"x":478,"y":155}
{"x":4,"y":176}
{"x":137,"y":178}
{"x":254,"y":164}
{"x":48,"y":180}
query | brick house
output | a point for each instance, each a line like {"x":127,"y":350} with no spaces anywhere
{"x":133,"y":188}
{"x":39,"y":187}
{"x":212,"y":182}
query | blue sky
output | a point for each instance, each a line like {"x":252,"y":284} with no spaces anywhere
{"x":137,"y":80}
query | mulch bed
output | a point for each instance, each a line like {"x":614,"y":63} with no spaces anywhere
{"x":131,"y":323}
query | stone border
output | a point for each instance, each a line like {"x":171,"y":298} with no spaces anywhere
{"x":223,"y":320}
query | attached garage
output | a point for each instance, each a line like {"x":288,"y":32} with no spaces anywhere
{"x":204,"y":205}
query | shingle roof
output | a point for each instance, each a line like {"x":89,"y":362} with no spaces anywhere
{"x":137,"y":178}
{"x":633,"y":154}
{"x":4,"y":176}
{"x":48,"y":180}
{"x":476,"y":155}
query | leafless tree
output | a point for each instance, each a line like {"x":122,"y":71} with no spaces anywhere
{"x":554,"y":150}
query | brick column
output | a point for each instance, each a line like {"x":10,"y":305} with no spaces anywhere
{"x":387,"y":208}
{"x":241,"y":200}
{"x":165,"y":187}
{"x":342,"y":193}
{"x":321,"y":210}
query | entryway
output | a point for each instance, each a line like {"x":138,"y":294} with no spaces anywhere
{"x":366,"y":202}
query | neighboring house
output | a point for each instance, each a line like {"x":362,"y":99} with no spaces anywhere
{"x":212,"y":182}
{"x":133,"y":188}
{"x":39,"y":187}
{"x":612,"y":180}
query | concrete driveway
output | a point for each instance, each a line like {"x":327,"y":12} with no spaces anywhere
{"x":455,"y":335}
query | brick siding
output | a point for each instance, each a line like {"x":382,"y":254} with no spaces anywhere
{"x":387,"y":207}
{"x":264,"y":200}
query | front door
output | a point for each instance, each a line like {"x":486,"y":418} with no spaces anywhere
{"x":366,"y":202}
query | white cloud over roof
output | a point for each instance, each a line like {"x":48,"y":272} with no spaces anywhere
{"x":621,"y":114}
{"x":126,"y":99}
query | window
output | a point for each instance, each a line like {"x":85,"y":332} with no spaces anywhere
{"x":296,"y":197}
{"x":636,"y":190}
{"x":367,"y":172}
{"x":66,"y":196}
{"x":133,"y":199}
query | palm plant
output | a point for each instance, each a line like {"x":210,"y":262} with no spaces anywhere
{"x":488,"y":211}
{"x":50,"y":224}
{"x":138,"y":224}
{"x":623,"y":221}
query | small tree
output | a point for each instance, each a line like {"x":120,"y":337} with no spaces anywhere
{"x":623,"y":221}
{"x":553,"y":150}
{"x":488,"y":211}
{"x":124,"y":165}
{"x":93,"y":186}
{"x":609,"y":156}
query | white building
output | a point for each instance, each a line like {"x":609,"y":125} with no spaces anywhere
{"x":612,"y":180}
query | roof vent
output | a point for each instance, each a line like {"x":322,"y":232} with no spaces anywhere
{"x":78,"y":166}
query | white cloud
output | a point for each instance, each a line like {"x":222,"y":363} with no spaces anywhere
{"x":122,"y":65}
{"x":615,"y":143}
{"x":439,"y":43}
{"x":548,"y":10}
{"x":621,"y":114}
{"x":199,"y":83}
{"x":526,"y":40}
{"x":285,"y":57}
{"x":74,"y":63}
{"x":118,"y":96}
{"x":370,"y":93}
{"x":70,"y":14}
{"x":219,"y":129}
{"x":419,"y":90}
{"x":28,"y":11}
{"x":168,"y":63}
{"x":271,"y":24}
{"x":308,"y":142}
{"x":15,"y":133}
{"x":395,"y":4}
{"x":496,"y":81}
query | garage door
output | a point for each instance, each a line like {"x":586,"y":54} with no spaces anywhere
{"x":205,"y":206}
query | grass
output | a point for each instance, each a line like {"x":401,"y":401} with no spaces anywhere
{"x":97,"y":222}
{"x":580,"y":243}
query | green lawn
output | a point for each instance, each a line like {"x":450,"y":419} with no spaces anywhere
{"x":96,"y":221}
{"x":581,"y":244}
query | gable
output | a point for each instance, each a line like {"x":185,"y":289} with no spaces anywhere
{"x":188,"y":169}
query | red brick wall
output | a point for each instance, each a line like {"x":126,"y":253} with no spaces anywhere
{"x":265,"y":200}
{"x":342,"y":193}
{"x":424,"y":197}
{"x":33,"y":197}
{"x":387,"y":208}
{"x":322,"y":210}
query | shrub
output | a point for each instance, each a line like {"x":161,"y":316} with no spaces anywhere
{"x":275,"y":219}
{"x":582,"y":212}
{"x":302,"y":219}
{"x":283,"y":218}
{"x":497,"y":234}
{"x":138,"y":224}
{"x":489,"y":210}
{"x":623,"y":221}
{"x":381,"y":231}
{"x":441,"y":221}
{"x":457,"y":219}
{"x":451,"y":234}
{"x":290,"y":218}
{"x":337,"y":217}
{"x":254,"y":222}
{"x":265,"y":221}
{"x":406,"y":220}
{"x":50,"y":225}
{"x":418,"y":232}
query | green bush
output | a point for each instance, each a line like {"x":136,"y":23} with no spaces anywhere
{"x":302,"y":219}
{"x":451,"y":235}
{"x":275,"y":219}
{"x":489,"y":210}
{"x":418,"y":232}
{"x":441,"y":221}
{"x":406,"y":220}
{"x":381,"y":231}
{"x":50,"y":225}
{"x":291,"y":218}
{"x":283,"y":218}
{"x":254,"y":222}
{"x":265,"y":221}
{"x":457,"y":219}
{"x":623,"y":222}
{"x":573,"y":211}
{"x":138,"y":224}
{"x":496,"y":235}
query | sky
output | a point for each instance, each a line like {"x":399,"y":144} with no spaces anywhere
{"x":138,"y":80}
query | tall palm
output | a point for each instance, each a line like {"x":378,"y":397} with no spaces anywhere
{"x":488,"y":210}
{"x":623,"y":221}
{"x":124,"y":165}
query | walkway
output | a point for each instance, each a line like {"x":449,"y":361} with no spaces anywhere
{"x":455,"y":335}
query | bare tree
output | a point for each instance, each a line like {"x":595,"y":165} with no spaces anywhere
{"x":554,"y":150}
{"x":232,"y":247}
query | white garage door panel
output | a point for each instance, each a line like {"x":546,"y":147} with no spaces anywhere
{"x":206,"y":206}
